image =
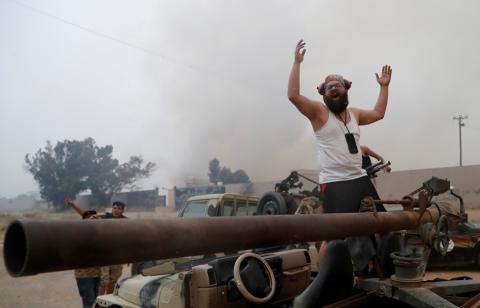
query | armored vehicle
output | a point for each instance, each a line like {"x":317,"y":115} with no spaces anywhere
{"x":250,"y":274}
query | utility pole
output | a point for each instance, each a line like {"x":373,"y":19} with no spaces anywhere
{"x":460,"y":118}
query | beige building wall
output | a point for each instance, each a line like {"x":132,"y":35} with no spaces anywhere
{"x":171,"y":199}
{"x":465,"y":180}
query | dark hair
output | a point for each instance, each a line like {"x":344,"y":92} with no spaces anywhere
{"x":119,"y":204}
{"x":88,"y":214}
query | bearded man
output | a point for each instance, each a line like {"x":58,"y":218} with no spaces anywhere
{"x":337,"y":133}
{"x":336,"y":127}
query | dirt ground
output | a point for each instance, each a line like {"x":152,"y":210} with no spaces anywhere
{"x":59,"y":289}
{"x":45,"y":290}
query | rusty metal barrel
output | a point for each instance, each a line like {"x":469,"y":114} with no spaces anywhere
{"x":32,"y":247}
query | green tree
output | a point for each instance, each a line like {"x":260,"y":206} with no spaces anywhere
{"x":109,"y":177}
{"x":74,"y":166}
{"x":214,"y":168}
{"x":240,"y":176}
{"x":225,"y":174}
{"x":62,"y":170}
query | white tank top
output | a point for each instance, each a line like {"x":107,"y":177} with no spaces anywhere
{"x":336,"y":163}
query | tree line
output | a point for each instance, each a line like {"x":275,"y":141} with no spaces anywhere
{"x":224,"y":174}
{"x":71,"y":167}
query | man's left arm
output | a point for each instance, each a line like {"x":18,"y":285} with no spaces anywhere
{"x":378,"y":112}
{"x":74,"y":207}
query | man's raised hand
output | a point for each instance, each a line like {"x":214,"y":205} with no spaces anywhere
{"x":384,"y":79}
{"x":69,"y":201}
{"x":300,"y":51}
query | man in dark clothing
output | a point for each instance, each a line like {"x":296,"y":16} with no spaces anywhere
{"x":111,"y":273}
{"x":118,"y":208}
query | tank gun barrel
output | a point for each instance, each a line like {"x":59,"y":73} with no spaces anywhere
{"x":32,"y":247}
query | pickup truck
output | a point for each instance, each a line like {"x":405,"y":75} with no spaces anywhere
{"x":209,"y":205}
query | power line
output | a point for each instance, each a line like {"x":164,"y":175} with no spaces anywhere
{"x":92,"y":31}
{"x":193,"y":67}
{"x":460,"y":118}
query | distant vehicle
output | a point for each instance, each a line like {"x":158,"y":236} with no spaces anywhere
{"x":219,"y":205}
{"x":210,"y":205}
{"x":287,"y":195}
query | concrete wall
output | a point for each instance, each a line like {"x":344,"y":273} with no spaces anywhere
{"x":394,"y":185}
{"x":465,"y":179}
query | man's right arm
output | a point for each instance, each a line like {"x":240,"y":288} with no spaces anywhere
{"x":303,"y":104}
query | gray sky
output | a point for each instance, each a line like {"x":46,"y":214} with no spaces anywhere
{"x":180,"y":82}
